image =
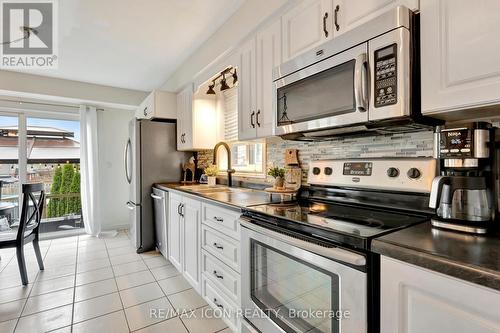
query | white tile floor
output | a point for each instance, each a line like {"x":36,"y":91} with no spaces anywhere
{"x":98,"y":285}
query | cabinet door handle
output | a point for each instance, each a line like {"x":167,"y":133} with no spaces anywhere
{"x":325,"y":17}
{"x":336,"y":18}
{"x":251,"y":119}
{"x":217,"y":304}
{"x":145,"y":111}
{"x":218,"y":219}
{"x":182,"y":210}
{"x":218,"y":276}
{"x":179,"y":209}
{"x":257,"y":118}
{"x":217,"y":246}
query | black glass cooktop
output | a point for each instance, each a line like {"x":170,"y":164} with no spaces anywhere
{"x":352,"y":220}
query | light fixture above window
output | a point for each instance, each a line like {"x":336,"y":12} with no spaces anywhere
{"x":211,"y":87}
{"x":230,"y":71}
{"x":223,"y":83}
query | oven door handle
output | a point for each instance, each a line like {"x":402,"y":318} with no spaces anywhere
{"x":334,"y":253}
{"x":361,"y":83}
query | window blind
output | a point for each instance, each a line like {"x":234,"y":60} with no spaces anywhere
{"x":230,"y":114}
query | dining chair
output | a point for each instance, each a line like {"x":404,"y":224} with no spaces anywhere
{"x":28,"y":228}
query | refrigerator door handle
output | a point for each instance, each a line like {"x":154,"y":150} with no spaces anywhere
{"x":126,"y":157}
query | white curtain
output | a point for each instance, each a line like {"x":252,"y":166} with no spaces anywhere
{"x":89,"y":168}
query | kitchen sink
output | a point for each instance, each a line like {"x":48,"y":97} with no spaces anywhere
{"x":205,"y":189}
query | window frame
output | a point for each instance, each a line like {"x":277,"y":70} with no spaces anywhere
{"x":248,"y":174}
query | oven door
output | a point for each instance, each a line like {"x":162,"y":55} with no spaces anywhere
{"x":329,"y":93}
{"x":291,"y":285}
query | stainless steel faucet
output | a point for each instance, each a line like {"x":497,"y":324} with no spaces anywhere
{"x":229,"y":170}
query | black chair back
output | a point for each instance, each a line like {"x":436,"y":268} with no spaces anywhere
{"x":30,"y":219}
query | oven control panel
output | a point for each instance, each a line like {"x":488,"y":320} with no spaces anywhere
{"x":358,"y":168}
{"x":395,"y":174}
{"x":386,"y":75}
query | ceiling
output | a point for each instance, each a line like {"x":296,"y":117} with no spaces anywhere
{"x":132,"y":43}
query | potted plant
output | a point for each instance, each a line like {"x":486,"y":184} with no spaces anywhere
{"x":279,"y":176}
{"x":211,"y":171}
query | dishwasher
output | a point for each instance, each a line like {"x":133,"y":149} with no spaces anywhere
{"x":160,"y":202}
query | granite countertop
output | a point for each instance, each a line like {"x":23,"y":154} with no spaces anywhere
{"x":468,"y":257}
{"x":236,"y":197}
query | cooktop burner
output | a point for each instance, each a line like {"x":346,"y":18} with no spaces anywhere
{"x":352,"y":201}
{"x":333,"y":218}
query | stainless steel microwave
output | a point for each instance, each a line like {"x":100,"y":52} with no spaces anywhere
{"x":366,"y":79}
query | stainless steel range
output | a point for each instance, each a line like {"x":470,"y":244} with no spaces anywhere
{"x":307,"y":265}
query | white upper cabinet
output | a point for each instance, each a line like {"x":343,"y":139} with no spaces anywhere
{"x":416,"y":300}
{"x":268,"y":56}
{"x":460,"y":56}
{"x":348,"y":14}
{"x":184,"y":118}
{"x":258,"y":56}
{"x":159,"y":105}
{"x":196,"y":120}
{"x":312,"y":22}
{"x":305,"y":26}
{"x":247,"y":87}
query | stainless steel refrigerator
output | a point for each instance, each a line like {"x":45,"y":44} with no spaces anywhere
{"x":150,"y":157}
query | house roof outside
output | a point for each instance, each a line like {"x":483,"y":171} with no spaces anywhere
{"x":44,"y":144}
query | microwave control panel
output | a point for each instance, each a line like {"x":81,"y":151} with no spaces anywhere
{"x":386,"y":76}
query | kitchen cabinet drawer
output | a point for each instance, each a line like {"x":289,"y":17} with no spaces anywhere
{"x":222,"y":247}
{"x":221,"y":275}
{"x":217,"y":300}
{"x":224,"y":220}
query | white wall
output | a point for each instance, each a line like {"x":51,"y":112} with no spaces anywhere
{"x":246,"y":19}
{"x":112,"y":135}
{"x":55,"y":90}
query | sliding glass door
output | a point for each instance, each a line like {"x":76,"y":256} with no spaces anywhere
{"x":9,"y":171}
{"x":47,"y":151}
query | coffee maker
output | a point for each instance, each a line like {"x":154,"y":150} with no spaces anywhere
{"x":464,"y":192}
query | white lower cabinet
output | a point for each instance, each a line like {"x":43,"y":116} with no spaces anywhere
{"x":417,"y":300}
{"x":174,"y":230}
{"x":224,"y":307}
{"x":184,"y":237}
{"x":221,"y":277}
{"x":221,"y":246}
{"x":204,"y":245}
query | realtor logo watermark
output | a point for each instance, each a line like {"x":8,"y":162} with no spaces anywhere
{"x":29,"y":34}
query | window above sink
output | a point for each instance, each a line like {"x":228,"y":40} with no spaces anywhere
{"x":248,"y":158}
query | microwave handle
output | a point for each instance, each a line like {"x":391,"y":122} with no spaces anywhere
{"x":361,"y":83}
